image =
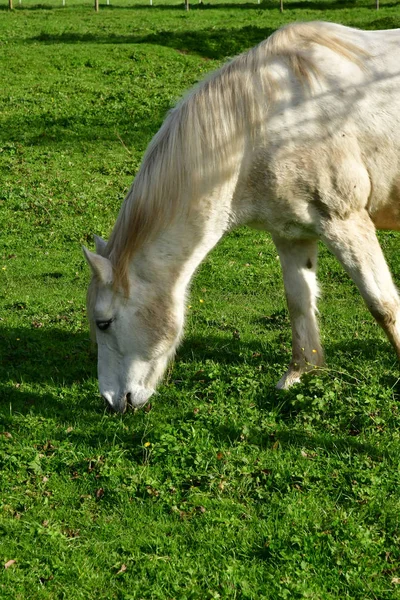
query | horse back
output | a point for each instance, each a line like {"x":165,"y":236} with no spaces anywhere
{"x":334,"y":149}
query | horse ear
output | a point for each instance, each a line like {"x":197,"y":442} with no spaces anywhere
{"x":101,"y":267}
{"x":100,"y":244}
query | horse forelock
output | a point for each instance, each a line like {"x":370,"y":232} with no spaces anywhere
{"x":200,"y":138}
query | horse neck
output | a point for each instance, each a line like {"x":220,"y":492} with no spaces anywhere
{"x":171,"y":259}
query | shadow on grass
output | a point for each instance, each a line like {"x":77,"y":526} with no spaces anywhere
{"x":331,"y":443}
{"x":5,"y":8}
{"x":218,"y":44}
{"x":43,"y":131}
{"x":66,"y":362}
{"x":45,"y":355}
{"x":210,"y":44}
{"x":53,"y":355}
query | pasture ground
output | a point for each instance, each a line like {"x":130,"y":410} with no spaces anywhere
{"x":224,"y":488}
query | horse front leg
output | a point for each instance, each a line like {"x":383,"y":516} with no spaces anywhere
{"x":299,"y":267}
{"x":354,"y":243}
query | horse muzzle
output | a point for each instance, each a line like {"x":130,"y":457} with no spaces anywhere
{"x":135,"y":398}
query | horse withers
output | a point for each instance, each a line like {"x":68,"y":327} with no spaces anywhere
{"x":298,"y":136}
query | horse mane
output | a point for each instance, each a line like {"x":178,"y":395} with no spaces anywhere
{"x":201,"y":135}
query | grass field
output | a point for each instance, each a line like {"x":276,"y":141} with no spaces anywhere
{"x":222,"y":488}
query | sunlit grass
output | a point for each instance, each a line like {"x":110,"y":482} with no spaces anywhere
{"x":223,"y":488}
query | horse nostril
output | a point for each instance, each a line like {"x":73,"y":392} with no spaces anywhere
{"x":128,"y":398}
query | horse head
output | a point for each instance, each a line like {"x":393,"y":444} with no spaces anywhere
{"x":136,"y":332}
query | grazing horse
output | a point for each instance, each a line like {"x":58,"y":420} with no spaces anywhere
{"x":300,"y":136}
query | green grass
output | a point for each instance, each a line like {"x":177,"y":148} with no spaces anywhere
{"x":223,"y":487}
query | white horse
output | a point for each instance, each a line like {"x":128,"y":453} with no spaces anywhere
{"x":300,"y":137}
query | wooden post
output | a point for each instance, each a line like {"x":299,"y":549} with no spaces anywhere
{"x":96,"y":5}
{"x":281,"y":7}
{"x":10,"y":5}
{"x":186,"y":4}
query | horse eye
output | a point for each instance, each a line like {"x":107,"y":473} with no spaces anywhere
{"x":103,"y":325}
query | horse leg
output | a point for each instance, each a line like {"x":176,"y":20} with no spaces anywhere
{"x":299,"y":267}
{"x":354,"y":243}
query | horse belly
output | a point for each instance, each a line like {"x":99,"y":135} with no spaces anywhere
{"x":387,"y":215}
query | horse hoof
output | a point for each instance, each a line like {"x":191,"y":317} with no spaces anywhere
{"x":290,"y":378}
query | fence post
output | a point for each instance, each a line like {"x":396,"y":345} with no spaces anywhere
{"x":96,"y":5}
{"x":10,"y":5}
